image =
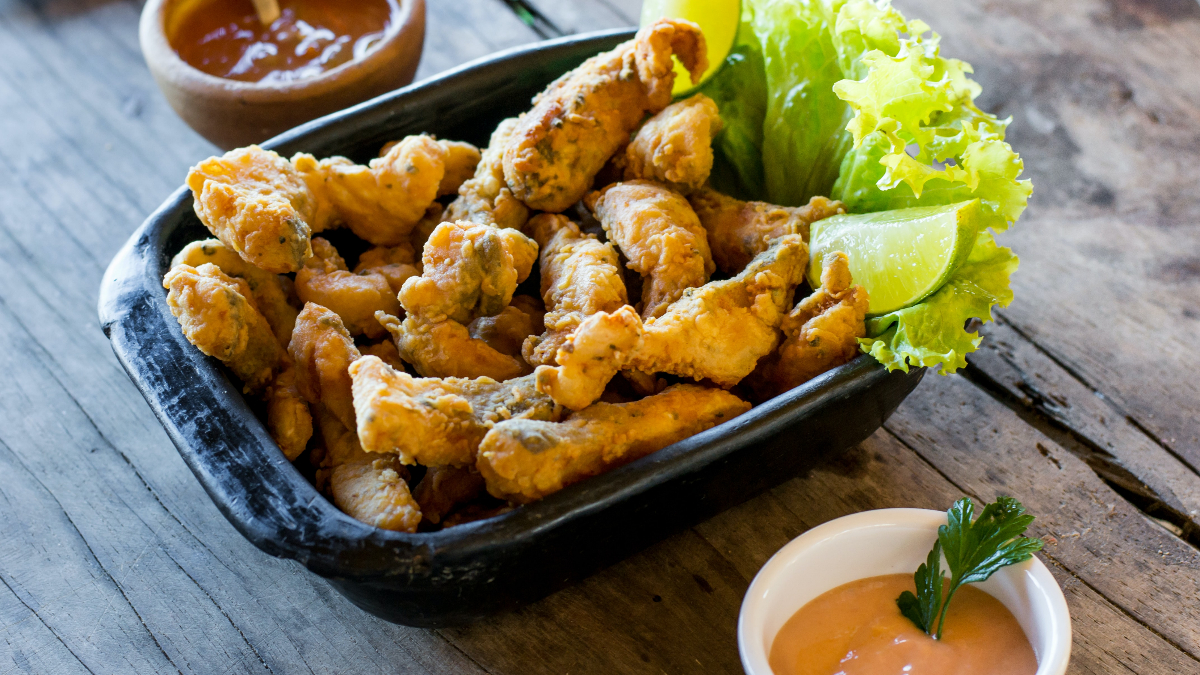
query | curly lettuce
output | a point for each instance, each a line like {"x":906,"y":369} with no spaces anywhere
{"x":849,"y":99}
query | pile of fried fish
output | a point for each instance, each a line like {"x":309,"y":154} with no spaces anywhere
{"x":437,"y":394}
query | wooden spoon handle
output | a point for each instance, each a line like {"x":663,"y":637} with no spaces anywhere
{"x":268,"y":11}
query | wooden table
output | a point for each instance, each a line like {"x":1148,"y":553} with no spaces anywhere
{"x":1084,"y":403}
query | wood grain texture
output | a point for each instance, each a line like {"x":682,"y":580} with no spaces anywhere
{"x":1112,"y":444}
{"x":1105,"y":104}
{"x":113,"y":560}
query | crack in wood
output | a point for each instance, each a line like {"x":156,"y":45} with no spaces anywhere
{"x":38,"y":616}
{"x":1079,"y":377}
{"x":531,"y":16}
{"x":83,"y":540}
{"x":1106,"y":467}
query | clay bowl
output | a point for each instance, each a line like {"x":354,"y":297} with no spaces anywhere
{"x":232,"y":114}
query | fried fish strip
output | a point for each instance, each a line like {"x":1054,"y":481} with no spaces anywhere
{"x":396,"y":263}
{"x":738,"y":230}
{"x":288,"y":417}
{"x":381,"y":202}
{"x":323,"y":351}
{"x":580,"y":276}
{"x":445,"y":487}
{"x":269,"y":290}
{"x":720,"y":330}
{"x":218,"y":317}
{"x":675,"y":146}
{"x":581,"y":119}
{"x":661,"y":236}
{"x":468,"y":270}
{"x":324,"y":280}
{"x":507,"y":331}
{"x":446,"y":349}
{"x":485,"y":198}
{"x":524,"y":460}
{"x":461,"y":162}
{"x":594,"y":353}
{"x":434,"y":421}
{"x":257,"y":204}
{"x":461,"y":159}
{"x":821,"y":332}
{"x":366,"y":486}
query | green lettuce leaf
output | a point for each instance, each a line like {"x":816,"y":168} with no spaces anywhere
{"x":847,"y":98}
{"x":933,"y":332}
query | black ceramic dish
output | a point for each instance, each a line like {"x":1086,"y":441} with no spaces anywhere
{"x":466,"y":572}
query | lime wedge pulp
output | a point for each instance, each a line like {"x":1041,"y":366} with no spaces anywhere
{"x":899,"y":256}
{"x":718,"y":19}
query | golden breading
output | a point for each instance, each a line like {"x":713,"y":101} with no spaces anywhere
{"x":354,"y":297}
{"x":523,"y":460}
{"x":468,"y":270}
{"x":485,"y":198}
{"x":382,"y":202}
{"x":269,"y":291}
{"x":435,"y":421}
{"x":445,"y":487}
{"x":720,"y":330}
{"x":593,"y":354}
{"x":368,"y":487}
{"x":675,"y":146}
{"x":255,"y":202}
{"x":661,"y":236}
{"x":446,"y":349}
{"x":461,"y":161}
{"x":217,"y":315}
{"x":580,"y":276}
{"x":386,"y":350}
{"x":821,"y":332}
{"x":396,"y":263}
{"x":288,"y":417}
{"x":507,"y":331}
{"x":738,"y":230}
{"x":323,"y":351}
{"x":581,"y":119}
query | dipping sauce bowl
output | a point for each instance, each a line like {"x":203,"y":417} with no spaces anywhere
{"x":232,"y":113}
{"x":889,"y":541}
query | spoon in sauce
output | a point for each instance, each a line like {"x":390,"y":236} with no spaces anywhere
{"x":268,"y":11}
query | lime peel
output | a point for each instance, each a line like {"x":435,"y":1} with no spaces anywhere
{"x":718,"y":19}
{"x":901,"y":256}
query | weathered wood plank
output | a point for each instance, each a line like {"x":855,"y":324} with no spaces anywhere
{"x":985,"y":449}
{"x":1107,"y":440}
{"x":463,"y":30}
{"x":581,"y":17}
{"x":114,"y":639}
{"x":1106,"y":113}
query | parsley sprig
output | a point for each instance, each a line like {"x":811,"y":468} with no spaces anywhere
{"x":974,"y":551}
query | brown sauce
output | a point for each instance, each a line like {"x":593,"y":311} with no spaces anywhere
{"x":856,"y":629}
{"x":225,"y":38}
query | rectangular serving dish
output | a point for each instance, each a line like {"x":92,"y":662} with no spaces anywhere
{"x":466,"y":572}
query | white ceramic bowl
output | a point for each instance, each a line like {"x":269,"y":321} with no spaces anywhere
{"x":889,"y":541}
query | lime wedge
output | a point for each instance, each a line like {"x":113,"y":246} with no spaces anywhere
{"x":900,"y":256}
{"x":718,"y":19}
